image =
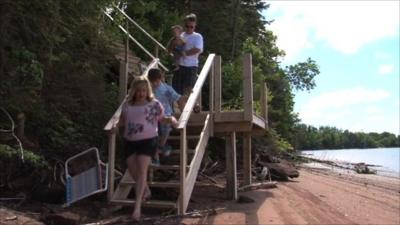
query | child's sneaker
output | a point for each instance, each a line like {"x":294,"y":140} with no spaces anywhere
{"x":166,"y":150}
{"x":197,"y":108}
{"x":155,"y":162}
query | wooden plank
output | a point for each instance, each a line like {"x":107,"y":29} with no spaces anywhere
{"x":150,"y":203}
{"x":248,"y":87}
{"x":189,"y":137}
{"x":247,"y":159}
{"x":231,"y":176}
{"x":263,"y":101}
{"x":136,"y":42}
{"x":228,"y":127}
{"x":123,"y":80}
{"x":122,"y":191}
{"x":182,"y":173}
{"x":111,"y":164}
{"x":141,"y":29}
{"x":196,"y":161}
{"x":231,"y":116}
{"x":211,"y":100}
{"x":169,"y":184}
{"x":165,"y":167}
{"x":123,"y":72}
{"x":217,"y":87}
{"x":195,"y":92}
{"x":178,"y":151}
{"x":152,"y":184}
{"x":257,"y":120}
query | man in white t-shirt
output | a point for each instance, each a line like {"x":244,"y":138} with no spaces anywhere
{"x":186,"y":76}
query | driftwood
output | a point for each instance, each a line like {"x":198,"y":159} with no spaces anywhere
{"x":278,"y":167}
{"x":262,"y":185}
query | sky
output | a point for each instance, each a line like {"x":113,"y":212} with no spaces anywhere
{"x":356,"y":45}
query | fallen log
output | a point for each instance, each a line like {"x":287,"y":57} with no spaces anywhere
{"x":262,"y":185}
{"x":282,"y":169}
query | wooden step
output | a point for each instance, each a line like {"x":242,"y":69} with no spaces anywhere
{"x":195,"y":124}
{"x":168,"y":184}
{"x":165,"y":167}
{"x":150,"y":203}
{"x":178,"y":151}
{"x":192,"y":137}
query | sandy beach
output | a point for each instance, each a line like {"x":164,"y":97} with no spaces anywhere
{"x":318,"y":196}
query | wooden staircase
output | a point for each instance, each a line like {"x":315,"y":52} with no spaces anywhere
{"x":190,"y":145}
{"x":127,"y":184}
{"x":187,"y":142}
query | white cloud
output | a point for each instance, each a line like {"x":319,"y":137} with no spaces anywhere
{"x":343,"y":25}
{"x":354,"y":109}
{"x":342,"y":98}
{"x":386,"y":69}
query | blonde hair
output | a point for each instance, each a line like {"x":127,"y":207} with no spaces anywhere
{"x":136,"y":83}
{"x":179,"y":27}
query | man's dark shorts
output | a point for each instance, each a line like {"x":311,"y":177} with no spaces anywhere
{"x":141,"y":147}
{"x":184,"y":79}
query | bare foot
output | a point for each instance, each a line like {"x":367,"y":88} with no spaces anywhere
{"x":136,"y":215}
{"x":146,"y":195}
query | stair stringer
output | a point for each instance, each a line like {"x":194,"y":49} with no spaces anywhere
{"x":195,"y":165}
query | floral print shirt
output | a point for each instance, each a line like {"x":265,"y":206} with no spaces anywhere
{"x":141,"y":122}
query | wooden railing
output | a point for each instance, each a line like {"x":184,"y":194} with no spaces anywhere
{"x":125,"y":31}
{"x":188,"y":174}
{"x":187,"y":180}
{"x":111,"y":129}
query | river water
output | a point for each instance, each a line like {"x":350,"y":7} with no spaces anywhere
{"x":386,"y":159}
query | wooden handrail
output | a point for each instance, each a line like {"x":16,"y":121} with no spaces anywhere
{"x":184,"y":118}
{"x":115,"y":118}
{"x":136,"y":42}
{"x":141,"y":29}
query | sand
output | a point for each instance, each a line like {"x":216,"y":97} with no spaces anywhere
{"x":318,"y":196}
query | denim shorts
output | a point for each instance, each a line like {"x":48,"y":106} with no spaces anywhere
{"x":141,"y":147}
{"x":164,"y":129}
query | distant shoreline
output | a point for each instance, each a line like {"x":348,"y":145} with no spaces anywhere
{"x":335,"y":149}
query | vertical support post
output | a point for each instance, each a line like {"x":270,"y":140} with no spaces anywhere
{"x":248,"y":87}
{"x":122,"y":81}
{"x":211,"y":100}
{"x":217,"y":87}
{"x":183,"y":159}
{"x":124,"y":69}
{"x":156,"y":51}
{"x":264,"y":103}
{"x":111,"y":164}
{"x":230,"y":155}
{"x":247,"y":158}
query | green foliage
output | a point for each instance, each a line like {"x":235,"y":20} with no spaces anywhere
{"x":10,"y":156}
{"x":55,"y":58}
{"x":273,"y":142}
{"x":22,"y":87}
{"x":309,"y":138}
{"x":301,"y":76}
{"x":57,"y":65}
